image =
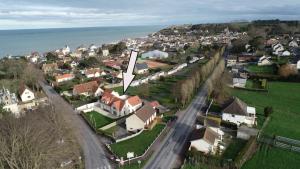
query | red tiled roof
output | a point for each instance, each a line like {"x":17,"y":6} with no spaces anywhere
{"x":154,"y":104}
{"x":92,"y":71}
{"x":134,"y":100}
{"x":86,"y":87}
{"x":64,"y":76}
{"x":118,"y":104}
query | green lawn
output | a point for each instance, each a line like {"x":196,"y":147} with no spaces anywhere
{"x":273,"y":158}
{"x":261,"y":69}
{"x":97,"y":119}
{"x":156,"y":90}
{"x":284,"y":98}
{"x":137,"y":144}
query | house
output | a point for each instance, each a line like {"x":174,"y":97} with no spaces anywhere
{"x":141,"y":118}
{"x":293,"y":44}
{"x":9,"y":101}
{"x":85,"y":89}
{"x":298,"y":65}
{"x":141,"y":68}
{"x":66,"y":50}
{"x":239,"y":113}
{"x":286,"y":53}
{"x":239,"y":82}
{"x":74,"y":64}
{"x":264,"y":61}
{"x":231,"y":60}
{"x":49,"y":68}
{"x":132,"y":104}
{"x":155,"y":54}
{"x":25,"y":93}
{"x":111,"y":103}
{"x":105,"y":52}
{"x":206,"y":140}
{"x":277,"y":49}
{"x":64,"y":77}
{"x":94,"y":72}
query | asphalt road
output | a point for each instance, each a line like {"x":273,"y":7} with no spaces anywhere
{"x":167,"y":156}
{"x":95,"y":156}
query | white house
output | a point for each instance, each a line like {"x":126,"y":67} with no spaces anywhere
{"x":206,"y":140}
{"x":264,"y":61}
{"x":132,"y":104}
{"x":64,"y":77}
{"x":239,"y":82}
{"x":156,"y":54}
{"x":9,"y":101}
{"x":66,"y":50}
{"x":298,"y":65}
{"x":141,"y":119}
{"x":26,"y":94}
{"x":286,"y":53}
{"x":277,"y":49}
{"x":141,"y":68}
{"x":105,"y":52}
{"x":293,"y":44}
{"x":239,"y":113}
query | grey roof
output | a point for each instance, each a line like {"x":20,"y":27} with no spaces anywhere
{"x":141,"y":66}
{"x":236,"y":107}
{"x":145,"y":112}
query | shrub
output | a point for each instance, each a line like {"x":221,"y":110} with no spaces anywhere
{"x":268,"y":110}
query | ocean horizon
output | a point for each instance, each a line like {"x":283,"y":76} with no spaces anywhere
{"x":24,"y":41}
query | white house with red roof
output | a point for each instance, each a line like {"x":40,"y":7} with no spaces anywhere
{"x":64,"y":77}
{"x":132,"y":104}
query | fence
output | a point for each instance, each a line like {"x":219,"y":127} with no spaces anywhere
{"x":129,"y":137}
{"x":281,"y":142}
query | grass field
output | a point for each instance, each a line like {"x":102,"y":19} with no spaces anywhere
{"x":158,"y":90}
{"x":284,"y":98}
{"x":137,"y":144}
{"x":97,"y":119}
{"x":261,"y":69}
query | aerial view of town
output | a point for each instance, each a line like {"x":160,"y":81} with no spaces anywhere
{"x":149,"y":84}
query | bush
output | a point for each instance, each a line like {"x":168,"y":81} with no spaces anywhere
{"x":268,"y":110}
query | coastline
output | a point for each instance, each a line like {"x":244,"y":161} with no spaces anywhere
{"x":23,"y":42}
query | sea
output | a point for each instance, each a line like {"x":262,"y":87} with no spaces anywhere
{"x":23,"y":42}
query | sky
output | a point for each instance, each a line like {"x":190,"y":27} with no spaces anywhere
{"x":34,"y":14}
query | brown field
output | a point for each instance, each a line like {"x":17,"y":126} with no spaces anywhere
{"x":154,"y":64}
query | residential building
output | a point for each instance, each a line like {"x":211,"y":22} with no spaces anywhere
{"x":141,"y":118}
{"x":86,"y":89}
{"x":64,"y":77}
{"x":231,"y":60}
{"x":132,"y":104}
{"x":264,"y":61}
{"x":156,"y":54}
{"x":105,"y":52}
{"x":94,"y":72}
{"x":206,"y":140}
{"x":25,"y":93}
{"x":141,"y":68}
{"x":239,"y":113}
{"x":9,"y":101}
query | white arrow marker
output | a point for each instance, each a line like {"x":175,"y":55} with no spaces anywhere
{"x":128,"y":76}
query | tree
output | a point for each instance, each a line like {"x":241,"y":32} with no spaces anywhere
{"x":268,"y":111}
{"x":37,"y":140}
{"x":287,"y":70}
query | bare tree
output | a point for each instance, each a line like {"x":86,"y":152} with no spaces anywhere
{"x":36,"y":140}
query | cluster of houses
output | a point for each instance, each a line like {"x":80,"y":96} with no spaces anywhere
{"x":19,"y":103}
{"x":209,"y":138}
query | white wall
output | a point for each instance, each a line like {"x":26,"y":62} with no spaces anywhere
{"x":27,"y":95}
{"x":133,"y":123}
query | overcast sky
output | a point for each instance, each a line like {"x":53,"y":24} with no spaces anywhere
{"x":25,"y":14}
